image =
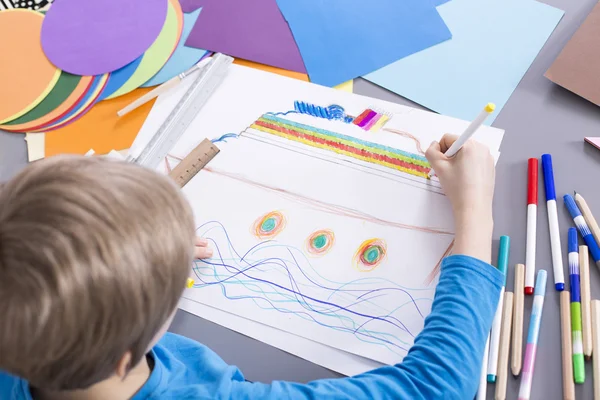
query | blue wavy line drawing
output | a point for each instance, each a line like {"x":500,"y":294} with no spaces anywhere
{"x":280,"y":278}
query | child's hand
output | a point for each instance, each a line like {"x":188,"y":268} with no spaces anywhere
{"x":201,"y":249}
{"x":468,"y":181}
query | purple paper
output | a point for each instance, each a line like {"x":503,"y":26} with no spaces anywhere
{"x":188,"y":6}
{"x":253,"y":30}
{"x":93,"y":37}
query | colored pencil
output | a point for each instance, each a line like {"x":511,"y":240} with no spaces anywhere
{"x":557,"y":260}
{"x":577,"y":337}
{"x":588,"y":216}
{"x":504,"y":347}
{"x":532,"y":200}
{"x":596,"y":338}
{"x":482,"y":390}
{"x":532,"y":337}
{"x":566,"y":346}
{"x":586,"y":295}
{"x":503,"y":252}
{"x":582,"y":226}
{"x":517,"y":333}
{"x":470,"y":131}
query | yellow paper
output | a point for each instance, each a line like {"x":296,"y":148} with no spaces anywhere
{"x":346,"y":86}
{"x":36,"y":143}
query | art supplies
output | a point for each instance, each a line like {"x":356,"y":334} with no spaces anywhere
{"x":557,"y":261}
{"x":258,"y":118}
{"x":583,"y":227}
{"x":594,"y":141}
{"x":578,"y":360}
{"x":576,"y":67}
{"x":183,"y":114}
{"x":194,"y":162}
{"x":154,"y":93}
{"x":335,"y":48}
{"x":517,"y":333}
{"x":482,"y":389}
{"x":586,"y":293}
{"x":532,"y":336}
{"x":504,"y":347}
{"x":566,"y":346}
{"x":479,"y":64}
{"x":532,"y":199}
{"x":588,"y":216}
{"x":596,"y":341}
{"x":469,"y":132}
{"x":503,"y":252}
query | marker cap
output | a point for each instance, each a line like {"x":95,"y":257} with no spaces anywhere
{"x":532,"y":181}
{"x":548,"y":177}
{"x":540,"y":283}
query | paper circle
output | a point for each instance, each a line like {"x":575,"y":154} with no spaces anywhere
{"x":119,"y":77}
{"x":26,"y":75}
{"x":159,"y":53}
{"x":183,"y":57}
{"x":92,"y":37}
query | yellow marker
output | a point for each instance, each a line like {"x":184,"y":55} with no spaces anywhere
{"x":190,"y":283}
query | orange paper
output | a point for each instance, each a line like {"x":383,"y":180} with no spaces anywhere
{"x":101,"y":129}
{"x":275,"y":70}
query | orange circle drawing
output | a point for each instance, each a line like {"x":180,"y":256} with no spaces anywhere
{"x":370,"y":255}
{"x":320,"y":242}
{"x":269,"y":225}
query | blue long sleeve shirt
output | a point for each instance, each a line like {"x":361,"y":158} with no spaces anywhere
{"x":444,"y":362}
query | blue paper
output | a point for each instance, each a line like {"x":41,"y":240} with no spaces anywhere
{"x":493,"y":44}
{"x":340,"y":40}
{"x":183,"y":57}
{"x":119,"y":77}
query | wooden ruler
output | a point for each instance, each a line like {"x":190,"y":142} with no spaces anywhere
{"x":194,"y":162}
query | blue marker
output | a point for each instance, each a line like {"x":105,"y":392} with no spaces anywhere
{"x":557,"y":260}
{"x":583,"y":227}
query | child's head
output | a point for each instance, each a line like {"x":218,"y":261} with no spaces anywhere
{"x":94,"y":255}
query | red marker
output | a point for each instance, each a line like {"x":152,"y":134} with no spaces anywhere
{"x":532,"y":199}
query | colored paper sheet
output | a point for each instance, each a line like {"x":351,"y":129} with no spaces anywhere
{"x":594,"y":141}
{"x":83,"y":87}
{"x":346,"y":86}
{"x":252,"y":30}
{"x":493,"y":44}
{"x":35,"y":146}
{"x":274,"y":70}
{"x":90,"y":37}
{"x":119,"y":77}
{"x":26,"y":76}
{"x":183,"y":57}
{"x":341,"y":39}
{"x":81,"y":108}
{"x":159,"y":53}
{"x":64,"y":87}
{"x":189,"y":6}
{"x":36,"y":5}
{"x":100,"y":129}
{"x":578,"y":65}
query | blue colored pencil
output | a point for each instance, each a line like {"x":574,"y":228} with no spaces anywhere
{"x":583,"y":227}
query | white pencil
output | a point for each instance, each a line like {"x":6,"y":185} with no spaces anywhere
{"x":470,"y":131}
{"x":162,"y":88}
{"x":482,"y":391}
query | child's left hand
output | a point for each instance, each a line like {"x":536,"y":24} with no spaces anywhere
{"x":201,"y":249}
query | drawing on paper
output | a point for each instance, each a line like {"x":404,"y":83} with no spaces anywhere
{"x":280,"y":277}
{"x":349,"y":146}
{"x":269,"y":225}
{"x":369,"y":255}
{"x":320,"y":242}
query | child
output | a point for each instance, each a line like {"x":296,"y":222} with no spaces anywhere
{"x":94,"y":255}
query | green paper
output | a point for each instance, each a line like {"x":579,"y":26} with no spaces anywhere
{"x":61,"y":92}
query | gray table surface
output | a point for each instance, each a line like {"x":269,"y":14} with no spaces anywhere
{"x":539,"y":118}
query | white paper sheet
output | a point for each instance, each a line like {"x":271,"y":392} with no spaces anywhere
{"x":314,"y":189}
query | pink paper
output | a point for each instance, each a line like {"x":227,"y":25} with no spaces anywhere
{"x":93,"y":37}
{"x":253,"y":30}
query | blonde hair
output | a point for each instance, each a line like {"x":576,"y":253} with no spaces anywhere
{"x":94,"y":255}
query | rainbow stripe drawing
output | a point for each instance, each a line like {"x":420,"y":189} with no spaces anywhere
{"x":374,"y":153}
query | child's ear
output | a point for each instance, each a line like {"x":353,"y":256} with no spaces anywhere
{"x":123,"y":366}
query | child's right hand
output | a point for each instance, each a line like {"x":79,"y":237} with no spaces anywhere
{"x":468,"y":181}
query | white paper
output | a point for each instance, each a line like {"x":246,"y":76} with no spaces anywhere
{"x":35,"y":146}
{"x":326,"y":301}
